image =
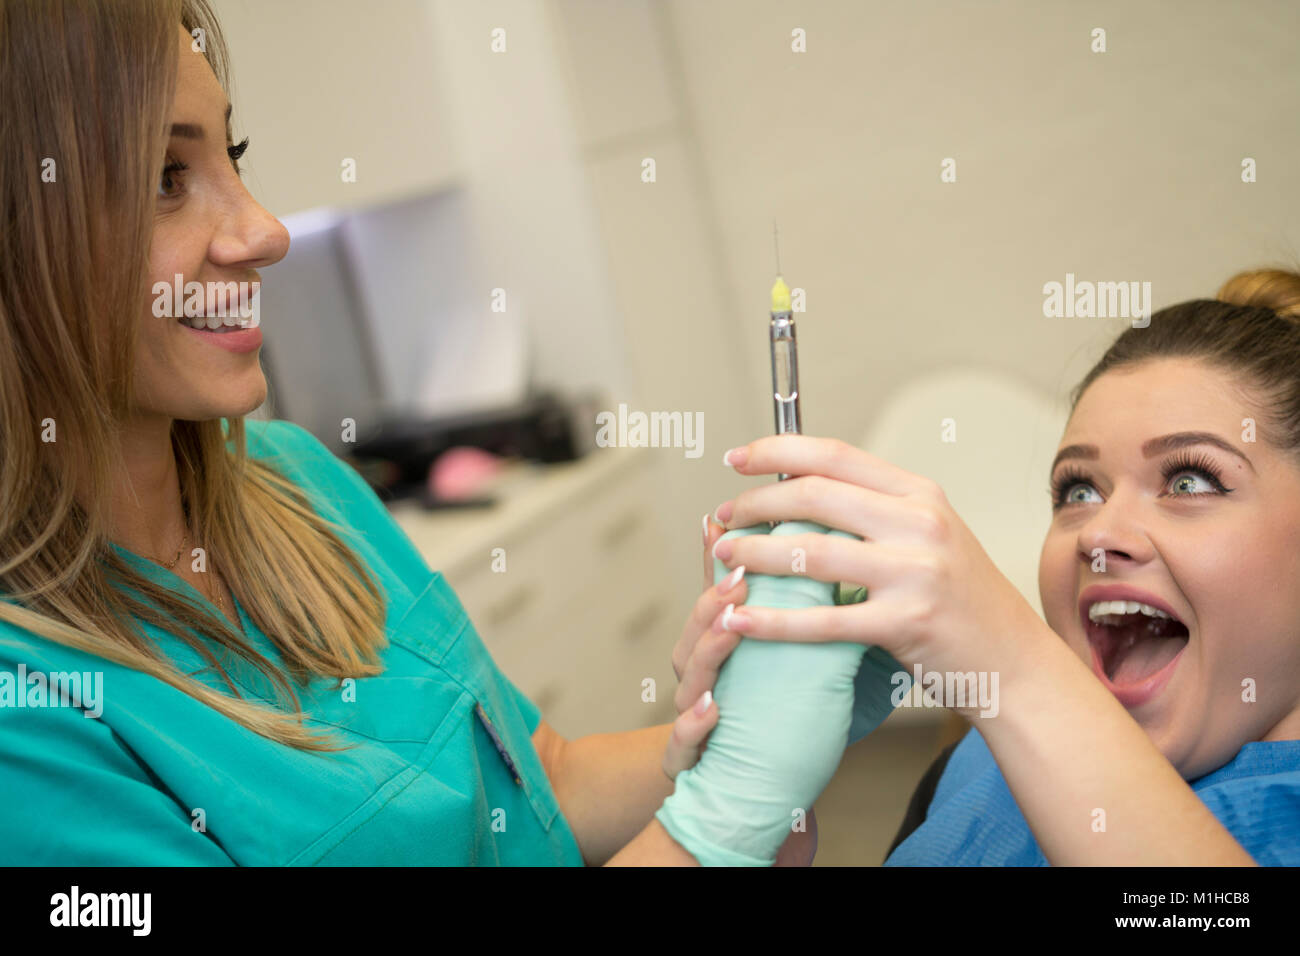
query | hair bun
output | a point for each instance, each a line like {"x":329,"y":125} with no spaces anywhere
{"x":1276,"y":289}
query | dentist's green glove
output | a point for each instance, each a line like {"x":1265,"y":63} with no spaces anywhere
{"x":785,"y":713}
{"x":873,"y":688}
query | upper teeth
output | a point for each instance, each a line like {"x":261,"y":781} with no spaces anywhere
{"x":215,"y":321}
{"x":1099,"y":609}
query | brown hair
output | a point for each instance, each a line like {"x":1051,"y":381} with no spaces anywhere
{"x":1251,"y":328}
{"x":86,"y":88}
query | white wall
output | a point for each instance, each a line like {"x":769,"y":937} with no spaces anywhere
{"x":1122,"y":165}
{"x":315,"y":81}
{"x":535,"y":226}
{"x":695,"y":344}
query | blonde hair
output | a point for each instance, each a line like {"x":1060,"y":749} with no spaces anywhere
{"x":1276,"y":289}
{"x":88,"y":85}
{"x":1251,"y":329}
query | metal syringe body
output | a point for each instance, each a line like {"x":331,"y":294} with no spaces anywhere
{"x":785,"y":364}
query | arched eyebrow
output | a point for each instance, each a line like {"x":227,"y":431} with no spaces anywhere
{"x":1155,"y":446}
{"x":1167,"y":443}
{"x":195,"y":131}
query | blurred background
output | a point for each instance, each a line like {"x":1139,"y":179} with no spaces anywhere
{"x":509,"y":217}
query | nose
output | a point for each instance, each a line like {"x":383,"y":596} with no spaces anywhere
{"x":1114,"y":532}
{"x":247,"y":235}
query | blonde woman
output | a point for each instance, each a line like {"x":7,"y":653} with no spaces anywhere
{"x":217,"y":646}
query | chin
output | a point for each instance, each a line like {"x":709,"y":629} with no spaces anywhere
{"x":228,"y":405}
{"x":247,"y":407}
{"x":237,"y":402}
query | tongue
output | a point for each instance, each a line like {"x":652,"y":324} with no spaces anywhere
{"x":1145,"y":657}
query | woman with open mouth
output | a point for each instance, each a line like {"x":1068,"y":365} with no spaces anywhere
{"x":1154,"y":717}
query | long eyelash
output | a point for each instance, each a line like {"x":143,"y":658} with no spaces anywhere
{"x":1062,"y":484}
{"x":172,"y":166}
{"x":1197,"y":464}
{"x":235,"y":152}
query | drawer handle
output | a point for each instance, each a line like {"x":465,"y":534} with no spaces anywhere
{"x":512,"y":604}
{"x":619,"y":530}
{"x":638,"y":625}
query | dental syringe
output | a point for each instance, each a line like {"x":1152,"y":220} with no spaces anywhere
{"x":785,"y":392}
{"x":785,"y":364}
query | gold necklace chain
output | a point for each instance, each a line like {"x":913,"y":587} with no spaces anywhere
{"x":179,"y":550}
{"x":216,"y":590}
{"x":221,"y":601}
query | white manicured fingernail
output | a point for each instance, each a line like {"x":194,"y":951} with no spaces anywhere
{"x":732,"y":579}
{"x":704,"y":528}
{"x":726,"y":457}
{"x":702,"y":705}
{"x":726,"y":617}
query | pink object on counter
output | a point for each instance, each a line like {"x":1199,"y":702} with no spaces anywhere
{"x":462,"y":472}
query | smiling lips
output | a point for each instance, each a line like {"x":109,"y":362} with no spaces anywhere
{"x":1135,"y":638}
{"x":230,"y":338}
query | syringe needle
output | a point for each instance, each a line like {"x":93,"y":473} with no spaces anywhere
{"x":776,"y":248}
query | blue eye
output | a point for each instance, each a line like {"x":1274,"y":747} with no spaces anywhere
{"x":1190,"y":477}
{"x":1184,"y":467}
{"x":1072,"y":498}
{"x":1064,"y":487}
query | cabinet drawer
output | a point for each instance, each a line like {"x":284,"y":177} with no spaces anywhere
{"x":552,"y":564}
{"x":589,"y":661}
{"x":536,"y":582}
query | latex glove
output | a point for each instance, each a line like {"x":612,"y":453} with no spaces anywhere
{"x":785,"y":713}
{"x":878,"y":677}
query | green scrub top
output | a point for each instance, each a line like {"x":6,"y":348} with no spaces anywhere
{"x":441,"y":769}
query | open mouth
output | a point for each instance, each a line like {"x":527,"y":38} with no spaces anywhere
{"x":1134,"y":641}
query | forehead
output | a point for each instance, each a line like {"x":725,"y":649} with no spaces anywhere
{"x":197,"y":90}
{"x":1132,"y":404}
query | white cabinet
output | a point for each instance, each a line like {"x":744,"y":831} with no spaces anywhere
{"x":583,"y":612}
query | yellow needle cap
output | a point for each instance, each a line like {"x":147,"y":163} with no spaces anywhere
{"x":780,"y":296}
